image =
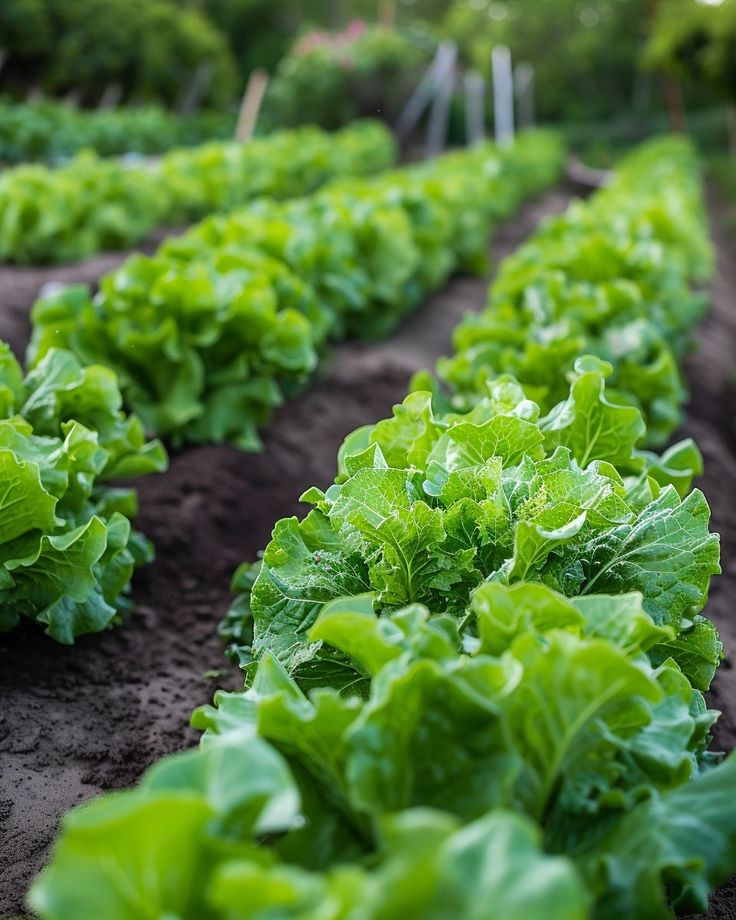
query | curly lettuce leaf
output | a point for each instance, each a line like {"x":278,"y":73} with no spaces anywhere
{"x":67,"y":552}
{"x":480,"y":498}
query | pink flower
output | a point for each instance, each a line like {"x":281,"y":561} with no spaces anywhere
{"x":310,"y":41}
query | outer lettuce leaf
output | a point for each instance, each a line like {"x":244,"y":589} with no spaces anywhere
{"x":144,"y":853}
{"x":672,"y":848}
{"x":67,"y":552}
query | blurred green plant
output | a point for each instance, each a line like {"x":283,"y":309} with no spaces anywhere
{"x":49,"y":131}
{"x":150,"y":48}
{"x":330,"y":78}
{"x":696,"y":41}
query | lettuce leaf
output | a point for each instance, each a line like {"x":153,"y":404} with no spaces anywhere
{"x":67,"y":551}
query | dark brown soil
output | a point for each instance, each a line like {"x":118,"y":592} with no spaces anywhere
{"x":82,"y":720}
{"x":19,"y":287}
{"x":78,"y":721}
{"x":711,"y":374}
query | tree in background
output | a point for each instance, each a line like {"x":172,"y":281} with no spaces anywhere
{"x":25,"y":29}
{"x":330,"y":78}
{"x":697,"y":43}
{"x":259,"y":32}
{"x":150,"y":48}
{"x":585,"y":52}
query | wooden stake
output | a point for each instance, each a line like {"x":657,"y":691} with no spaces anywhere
{"x":250,"y":105}
{"x":387,"y":13}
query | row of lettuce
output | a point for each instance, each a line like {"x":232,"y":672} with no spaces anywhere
{"x":93,"y":204}
{"x":205,"y":338}
{"x":208,"y":335}
{"x":51,"y":131}
{"x":475,"y":669}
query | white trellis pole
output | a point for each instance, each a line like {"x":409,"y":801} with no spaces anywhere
{"x":503,"y":95}
{"x":475,"y":105}
{"x":440,"y":112}
{"x":424,"y":92}
{"x":524,"y":93}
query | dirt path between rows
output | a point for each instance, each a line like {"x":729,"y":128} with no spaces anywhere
{"x":78,"y":721}
{"x":20,"y":286}
{"x":711,"y":421}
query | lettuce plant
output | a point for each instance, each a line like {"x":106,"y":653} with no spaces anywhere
{"x":541,"y":741}
{"x":428,"y":507}
{"x":67,"y":551}
{"x":50,"y":130}
{"x":92,"y":204}
{"x":212,"y":332}
{"x":613,"y":277}
{"x":528,"y":755}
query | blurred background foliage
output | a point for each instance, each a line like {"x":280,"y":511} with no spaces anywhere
{"x":149,"y":48}
{"x":329,"y":78}
{"x":599,"y":63}
{"x":697,"y":41}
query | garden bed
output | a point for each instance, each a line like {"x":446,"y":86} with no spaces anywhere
{"x":82,"y":720}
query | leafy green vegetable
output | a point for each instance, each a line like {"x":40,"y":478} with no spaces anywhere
{"x":428,"y":507}
{"x":612,"y":277}
{"x":535,"y":777}
{"x":211,"y":333}
{"x":49,"y":130}
{"x":91,"y":204}
{"x":67,"y":551}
